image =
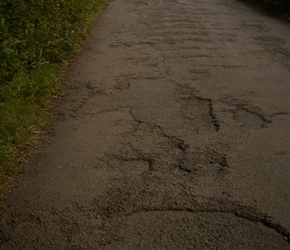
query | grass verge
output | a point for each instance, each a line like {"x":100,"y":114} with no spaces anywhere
{"x":23,"y":106}
{"x":25,"y":99}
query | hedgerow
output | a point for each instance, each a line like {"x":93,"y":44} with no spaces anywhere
{"x":36,"y":37}
{"x":280,"y":8}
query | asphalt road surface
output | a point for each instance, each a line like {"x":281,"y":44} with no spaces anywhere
{"x":174,"y":134}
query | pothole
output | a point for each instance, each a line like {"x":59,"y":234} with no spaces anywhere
{"x":204,"y":163}
{"x":188,"y":230}
{"x":247,"y":118}
{"x":199,"y":111}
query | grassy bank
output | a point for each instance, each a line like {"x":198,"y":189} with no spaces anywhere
{"x":36,"y":38}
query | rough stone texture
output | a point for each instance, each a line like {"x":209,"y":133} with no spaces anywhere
{"x":174,"y":134}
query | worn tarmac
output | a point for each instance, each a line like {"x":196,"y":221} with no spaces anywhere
{"x":173,"y":134}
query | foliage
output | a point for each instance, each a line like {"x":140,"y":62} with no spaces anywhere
{"x":281,"y":8}
{"x":34,"y":32}
{"x":36,"y":36}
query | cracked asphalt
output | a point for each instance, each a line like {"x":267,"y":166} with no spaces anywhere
{"x":173,"y":134}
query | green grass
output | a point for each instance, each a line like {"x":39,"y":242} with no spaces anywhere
{"x":23,"y":107}
{"x":37,"y":38}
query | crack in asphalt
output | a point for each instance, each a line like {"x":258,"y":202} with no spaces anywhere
{"x":175,"y":140}
{"x":247,"y":215}
{"x":215,"y":120}
{"x":280,"y":114}
{"x":213,"y":206}
{"x":254,"y":112}
{"x":184,"y":162}
{"x":169,"y":102}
